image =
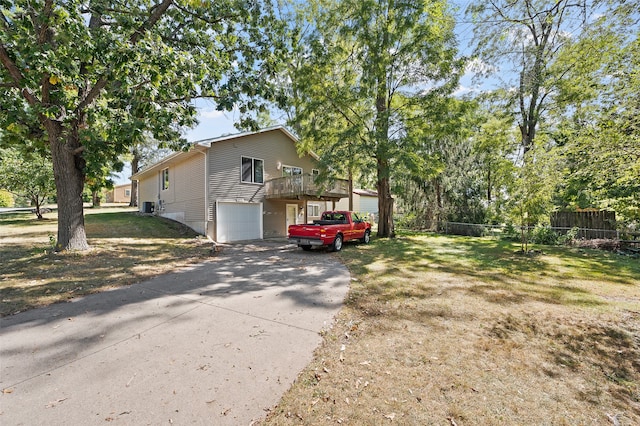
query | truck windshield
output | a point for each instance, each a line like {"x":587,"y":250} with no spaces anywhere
{"x":339,"y":217}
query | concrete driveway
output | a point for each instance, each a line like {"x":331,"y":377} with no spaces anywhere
{"x":216,"y":344}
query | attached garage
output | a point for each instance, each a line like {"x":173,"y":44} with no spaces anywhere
{"x":238,"y":221}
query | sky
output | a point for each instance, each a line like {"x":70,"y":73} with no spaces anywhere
{"x":213,"y":123}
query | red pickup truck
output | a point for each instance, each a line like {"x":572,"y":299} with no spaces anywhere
{"x":333,"y":229}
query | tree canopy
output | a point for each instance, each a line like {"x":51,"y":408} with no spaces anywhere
{"x":361,"y":65}
{"x":28,"y":175}
{"x":86,"y":79}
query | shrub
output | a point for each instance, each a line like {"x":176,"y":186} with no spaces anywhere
{"x":570,"y":237}
{"x":6,"y":199}
{"x":544,"y":235}
{"x":511,"y":233}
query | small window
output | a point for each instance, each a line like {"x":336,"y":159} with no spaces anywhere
{"x":252,"y":170}
{"x":165,"y":179}
{"x":315,"y":172}
{"x":291,"y":171}
{"x":127,"y":193}
{"x":313,"y":210}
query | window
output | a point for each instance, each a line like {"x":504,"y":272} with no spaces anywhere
{"x":315,"y":172}
{"x":127,"y":193}
{"x":291,"y":171}
{"x":165,"y":179}
{"x":252,"y":170}
{"x":313,"y":210}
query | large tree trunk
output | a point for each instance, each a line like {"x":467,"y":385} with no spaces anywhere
{"x":385,"y":201}
{"x":68,"y":165}
{"x":350,"y":190}
{"x":95,"y":199}
{"x":135,"y":168}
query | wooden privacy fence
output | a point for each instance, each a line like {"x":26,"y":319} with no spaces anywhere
{"x":592,"y":224}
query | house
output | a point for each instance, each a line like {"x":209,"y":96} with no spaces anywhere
{"x":244,"y":186}
{"x":119,"y":194}
{"x":364,"y":201}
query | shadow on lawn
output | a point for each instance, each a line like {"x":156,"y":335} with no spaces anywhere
{"x":504,"y":275}
{"x":420,"y":279}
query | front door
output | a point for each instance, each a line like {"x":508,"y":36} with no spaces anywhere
{"x":292,"y":215}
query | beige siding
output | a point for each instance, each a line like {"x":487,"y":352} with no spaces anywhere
{"x":183,"y":201}
{"x":120,"y":193}
{"x":148,"y":190}
{"x":186,"y":199}
{"x":273,"y":147}
{"x":343,"y":204}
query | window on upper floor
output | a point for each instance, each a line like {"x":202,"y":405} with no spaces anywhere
{"x":291,"y":171}
{"x":165,"y":179}
{"x":252,"y":170}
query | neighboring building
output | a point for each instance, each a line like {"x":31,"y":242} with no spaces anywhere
{"x":119,"y":194}
{"x":364,"y":201}
{"x":239,"y":187}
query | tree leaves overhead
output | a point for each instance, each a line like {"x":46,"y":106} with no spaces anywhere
{"x":91,"y":77}
{"x":359,"y":65}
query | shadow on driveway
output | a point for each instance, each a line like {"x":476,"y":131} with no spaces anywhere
{"x":218,"y":342}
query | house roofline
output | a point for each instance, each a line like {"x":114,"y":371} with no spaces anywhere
{"x":366,"y":192}
{"x":206,"y":143}
{"x":283,"y":129}
{"x":167,"y":160}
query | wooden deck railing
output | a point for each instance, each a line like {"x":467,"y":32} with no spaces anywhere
{"x":306,"y":186}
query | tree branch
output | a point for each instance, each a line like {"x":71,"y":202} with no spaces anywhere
{"x":157,"y":13}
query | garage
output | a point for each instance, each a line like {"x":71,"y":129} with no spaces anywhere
{"x":238,"y":221}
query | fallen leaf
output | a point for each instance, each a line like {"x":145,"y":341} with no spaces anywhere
{"x":7,"y":390}
{"x":390,"y":416}
{"x":452,"y":421}
{"x":613,"y":419}
{"x":54,"y":403}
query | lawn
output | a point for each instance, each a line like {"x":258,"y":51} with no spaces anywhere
{"x":466,"y":331}
{"x":436,"y":330}
{"x":126,"y":247}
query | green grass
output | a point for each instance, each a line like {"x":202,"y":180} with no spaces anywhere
{"x":443,"y":329}
{"x":126,"y":247}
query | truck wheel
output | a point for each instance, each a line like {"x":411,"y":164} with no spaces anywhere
{"x":306,"y":247}
{"x":337,"y":243}
{"x":367,"y":237}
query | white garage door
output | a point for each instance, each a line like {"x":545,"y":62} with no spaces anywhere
{"x":369,"y":204}
{"x":238,"y":221}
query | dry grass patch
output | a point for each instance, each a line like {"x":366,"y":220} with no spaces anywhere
{"x":126,"y":248}
{"x":459,"y":331}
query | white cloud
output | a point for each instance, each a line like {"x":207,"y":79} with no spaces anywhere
{"x":209,"y":113}
{"x":478,"y":66}
{"x":463,"y":90}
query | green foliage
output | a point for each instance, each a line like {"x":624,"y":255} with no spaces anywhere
{"x":88,"y":83}
{"x":533,"y":188}
{"x":544,"y":235}
{"x":603,"y":135}
{"x":570,"y":237}
{"x":357,"y":69}
{"x":511,"y":233}
{"x":6,"y":199}
{"x":27,"y":175}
